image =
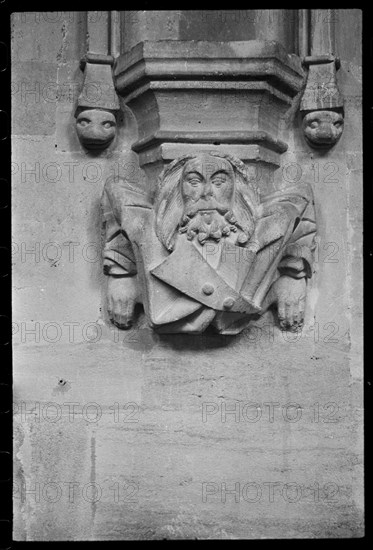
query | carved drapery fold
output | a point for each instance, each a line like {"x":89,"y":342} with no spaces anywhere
{"x":208,"y":250}
{"x":200,"y":244}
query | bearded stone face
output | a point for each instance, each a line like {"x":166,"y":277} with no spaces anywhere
{"x":207,"y":189}
{"x":205,"y":197}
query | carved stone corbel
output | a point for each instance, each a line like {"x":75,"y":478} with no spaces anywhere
{"x":209,"y":250}
{"x":199,"y":243}
{"x":322,"y":103}
{"x":98,"y":103}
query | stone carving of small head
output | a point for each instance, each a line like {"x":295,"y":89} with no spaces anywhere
{"x":96,"y":128}
{"x":206,"y":197}
{"x":323,"y":128}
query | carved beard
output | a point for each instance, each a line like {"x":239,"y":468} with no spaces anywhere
{"x":210,"y":220}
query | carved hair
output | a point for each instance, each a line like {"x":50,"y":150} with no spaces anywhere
{"x":169,"y":204}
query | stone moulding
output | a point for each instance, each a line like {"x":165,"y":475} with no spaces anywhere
{"x":249,"y":145}
{"x":214,"y":138}
{"x":197,"y":92}
{"x":248,"y":153}
{"x":212,"y":85}
{"x":175,"y":60}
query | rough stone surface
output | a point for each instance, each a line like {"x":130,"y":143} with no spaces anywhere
{"x":214,"y":25}
{"x":163,"y":449}
{"x":163,"y":476}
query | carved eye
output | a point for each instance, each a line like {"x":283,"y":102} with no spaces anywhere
{"x":84,"y":121}
{"x":194,"y":181}
{"x":313,"y":124}
{"x":218,"y":181}
{"x":338,"y":124}
{"x":108,"y":124}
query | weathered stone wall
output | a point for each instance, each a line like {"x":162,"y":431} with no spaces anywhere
{"x":150,"y":445}
{"x":214,"y":25}
{"x":57,"y":185}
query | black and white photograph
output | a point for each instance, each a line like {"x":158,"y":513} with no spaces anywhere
{"x":187,"y":274}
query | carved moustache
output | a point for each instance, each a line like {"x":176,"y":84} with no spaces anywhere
{"x":210,"y":220}
{"x":203,"y":204}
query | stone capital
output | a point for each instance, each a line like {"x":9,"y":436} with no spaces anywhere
{"x":195,"y":94}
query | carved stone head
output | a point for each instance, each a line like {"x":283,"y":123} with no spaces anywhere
{"x":323,"y":128}
{"x":207,"y":197}
{"x":96,"y":128}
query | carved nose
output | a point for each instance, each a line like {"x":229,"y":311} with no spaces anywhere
{"x":95,"y":136}
{"x":325,"y":133}
{"x":207,"y":190}
{"x":96,"y":130}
